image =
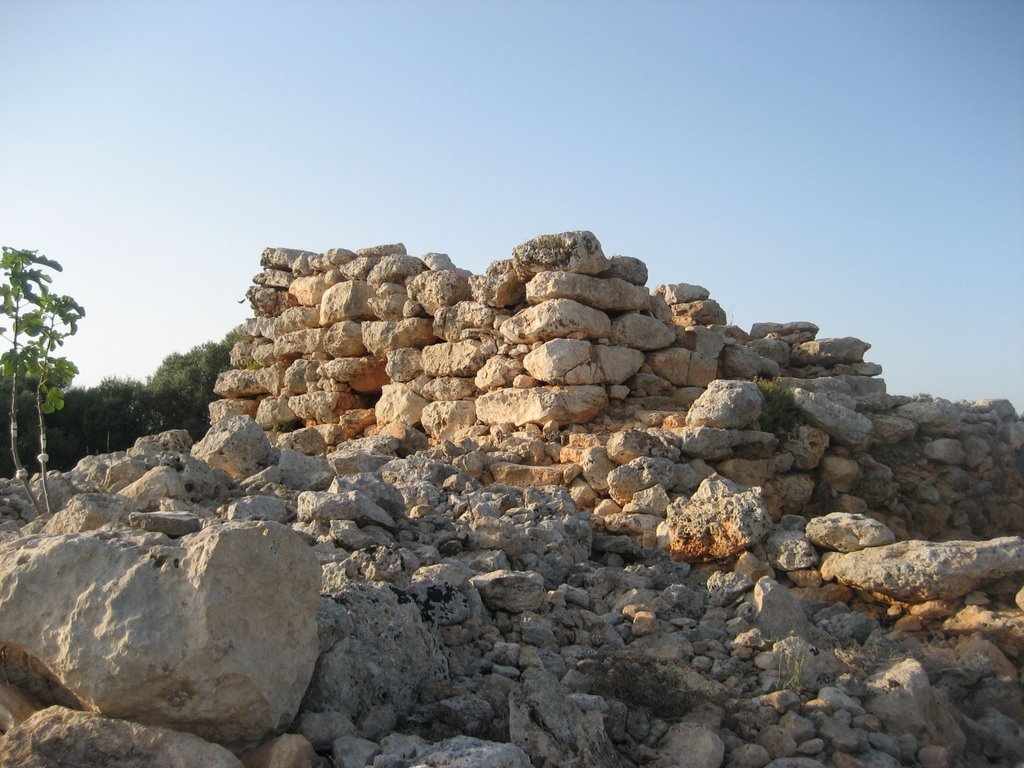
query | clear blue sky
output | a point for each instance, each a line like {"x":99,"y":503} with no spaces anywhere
{"x":856,"y":164}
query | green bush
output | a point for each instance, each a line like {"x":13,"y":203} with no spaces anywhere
{"x":779,"y":413}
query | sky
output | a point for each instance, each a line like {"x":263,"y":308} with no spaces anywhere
{"x":856,"y":164}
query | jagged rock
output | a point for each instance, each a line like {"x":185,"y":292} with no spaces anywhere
{"x":844,"y":425}
{"x":399,"y":404}
{"x":829,"y":352}
{"x":247,"y":383}
{"x":63,"y":737}
{"x":576,"y":251}
{"x":567,"y":405}
{"x":690,"y":745}
{"x":512,"y":591}
{"x":720,"y":520}
{"x":847,"y":532}
{"x":199,"y":636}
{"x":173,"y":524}
{"x":556,"y":319}
{"x":607,"y":294}
{"x":933,"y":417}
{"x":464,"y":752}
{"x":640,"y":473}
{"x":237,"y":446}
{"x":726,"y":404}
{"x":92,"y":511}
{"x":289,"y":750}
{"x":439,"y":288}
{"x":380,"y":651}
{"x":790,"y":551}
{"x":641,"y":332}
{"x":459,"y":358}
{"x":552,"y":731}
{"x":902,"y":697}
{"x":915,"y":571}
{"x":260,"y":508}
{"x":573,"y":362}
{"x":682,"y":293}
{"x":382,"y":336}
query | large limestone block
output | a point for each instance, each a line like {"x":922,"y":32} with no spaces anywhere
{"x":247,"y":383}
{"x":726,"y":404}
{"x":720,"y":520}
{"x":378,"y":650}
{"x":362,"y":374}
{"x":309,"y":290}
{"x":296,"y":319}
{"x":92,"y":511}
{"x":566,"y":405}
{"x":396,"y":268}
{"x":627,"y":268}
{"x":577,"y":362}
{"x":321,"y":407}
{"x":298,"y":343}
{"x":500,"y":286}
{"x":829,"y":352}
{"x":382,"y":336}
{"x":399,"y":404}
{"x":439,"y":288}
{"x":459,"y":358}
{"x":344,"y":339}
{"x":933,"y":417}
{"x":65,"y":737}
{"x":465,"y":320}
{"x":348,"y":300}
{"x":576,"y":251}
{"x":237,"y":446}
{"x":607,"y":294}
{"x":844,"y":425}
{"x":793,"y":333}
{"x":847,"y":532}
{"x":641,"y":332}
{"x":556,"y":319}
{"x":552,"y":730}
{"x":447,"y":419}
{"x":174,"y":635}
{"x":916,"y":571}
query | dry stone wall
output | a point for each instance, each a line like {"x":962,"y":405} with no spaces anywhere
{"x":565,"y":344}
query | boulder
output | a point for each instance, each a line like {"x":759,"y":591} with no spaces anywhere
{"x":459,"y":358}
{"x":92,"y":511}
{"x":236,"y":445}
{"x":174,"y":634}
{"x":847,"y":532}
{"x":902,"y":697}
{"x":556,"y":319}
{"x":65,"y":737}
{"x":829,"y":352}
{"x":844,"y":425}
{"x":446,"y":420}
{"x":607,"y":294}
{"x":566,"y":405}
{"x":726,"y":404}
{"x":720,"y":520}
{"x":552,"y":730}
{"x":577,"y":362}
{"x":916,"y":571}
{"x":376,"y":650}
{"x":399,"y":404}
{"x":511,"y":591}
{"x":576,"y":251}
{"x":439,"y":288}
{"x":641,"y":332}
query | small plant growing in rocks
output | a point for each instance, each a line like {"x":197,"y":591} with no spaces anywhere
{"x":779,"y":412}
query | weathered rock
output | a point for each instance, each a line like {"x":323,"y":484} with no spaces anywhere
{"x":556,"y":319}
{"x":576,"y":251}
{"x":608,"y":294}
{"x":246,"y":383}
{"x":690,"y":745}
{"x":512,"y":591}
{"x":92,"y":511}
{"x":446,"y":420}
{"x":382,"y":336}
{"x":459,"y":358}
{"x":720,"y":520}
{"x":933,"y":417}
{"x":573,"y":362}
{"x":397,"y":656}
{"x":399,"y":404}
{"x":829,"y":352}
{"x":439,"y":288}
{"x":237,"y":446}
{"x":641,"y":332}
{"x":902,"y":697}
{"x":289,"y":750}
{"x":844,"y":425}
{"x":64,"y":737}
{"x":567,"y":405}
{"x":395,"y":268}
{"x":790,"y":551}
{"x":915,"y":571}
{"x":171,"y":523}
{"x":465,"y":752}
{"x":173,"y":636}
{"x":726,"y":404}
{"x":847,"y":532}
{"x":552,"y":731}
{"x":640,"y":473}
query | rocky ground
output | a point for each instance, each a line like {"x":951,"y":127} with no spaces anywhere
{"x":541,"y":517}
{"x":402,"y":613}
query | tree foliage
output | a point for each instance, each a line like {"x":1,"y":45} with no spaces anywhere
{"x":113,"y":414}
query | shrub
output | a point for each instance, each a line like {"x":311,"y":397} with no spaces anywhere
{"x":779,"y":413}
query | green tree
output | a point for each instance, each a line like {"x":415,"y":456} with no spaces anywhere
{"x":181,"y":388}
{"x":40,"y":321}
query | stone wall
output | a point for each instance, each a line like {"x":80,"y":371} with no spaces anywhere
{"x":560,"y":366}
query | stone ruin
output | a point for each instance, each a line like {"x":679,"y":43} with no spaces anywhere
{"x":541,"y":516}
